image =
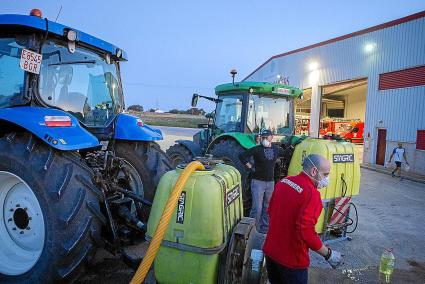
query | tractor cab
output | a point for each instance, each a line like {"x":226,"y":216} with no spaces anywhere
{"x":84,"y":83}
{"x":53,"y":66}
{"x":249,"y":108}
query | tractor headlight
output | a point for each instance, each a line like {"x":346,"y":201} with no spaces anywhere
{"x":71,"y":35}
{"x":119,"y":53}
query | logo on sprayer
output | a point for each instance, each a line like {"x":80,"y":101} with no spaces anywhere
{"x":232,"y":195}
{"x":343,"y":158}
{"x":181,"y":205}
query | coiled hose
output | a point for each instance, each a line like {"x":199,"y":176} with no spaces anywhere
{"x":351,"y":204}
{"x":147,"y":261}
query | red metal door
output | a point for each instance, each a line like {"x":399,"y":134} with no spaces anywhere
{"x":381,"y":146}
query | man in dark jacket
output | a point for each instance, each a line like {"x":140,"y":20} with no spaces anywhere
{"x":262,"y":184}
{"x":294,"y":210}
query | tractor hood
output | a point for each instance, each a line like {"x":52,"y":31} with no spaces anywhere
{"x":42,"y":24}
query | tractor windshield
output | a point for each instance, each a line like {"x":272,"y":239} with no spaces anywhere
{"x":269,"y":113}
{"x":11,"y":75}
{"x":228,"y":113}
{"x":81,"y":83}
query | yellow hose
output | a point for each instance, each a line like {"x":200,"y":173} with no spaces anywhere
{"x":164,"y":221}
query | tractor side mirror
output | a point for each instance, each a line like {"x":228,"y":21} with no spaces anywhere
{"x":195,"y":98}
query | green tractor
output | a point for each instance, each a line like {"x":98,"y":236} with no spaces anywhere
{"x":242,"y":111}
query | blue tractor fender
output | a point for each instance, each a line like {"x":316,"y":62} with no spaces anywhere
{"x":33,"y":119}
{"x":194,"y":148}
{"x":129,"y":127}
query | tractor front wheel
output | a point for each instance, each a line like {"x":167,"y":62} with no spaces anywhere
{"x":50,"y":218}
{"x":146,"y":163}
{"x":179,"y":154}
{"x":229,"y":151}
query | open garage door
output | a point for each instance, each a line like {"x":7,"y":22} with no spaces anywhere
{"x":302,"y":113}
{"x":343,"y":111}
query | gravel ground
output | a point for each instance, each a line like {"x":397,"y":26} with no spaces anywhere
{"x":391,"y":215}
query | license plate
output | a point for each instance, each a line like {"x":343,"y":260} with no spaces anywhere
{"x":343,"y":158}
{"x":30,"y":61}
{"x":283,"y":91}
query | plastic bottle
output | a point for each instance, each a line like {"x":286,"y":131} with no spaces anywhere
{"x":386,"y":267}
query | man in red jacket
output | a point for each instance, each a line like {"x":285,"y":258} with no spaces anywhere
{"x":294,"y":209}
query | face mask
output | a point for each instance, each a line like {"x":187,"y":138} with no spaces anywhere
{"x":323,"y":182}
{"x":266,"y":143}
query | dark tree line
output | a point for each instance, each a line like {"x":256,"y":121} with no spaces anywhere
{"x":194,"y":111}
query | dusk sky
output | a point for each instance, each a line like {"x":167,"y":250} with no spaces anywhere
{"x":176,"y":48}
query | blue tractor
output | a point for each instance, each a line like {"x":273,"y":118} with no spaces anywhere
{"x":76,"y":172}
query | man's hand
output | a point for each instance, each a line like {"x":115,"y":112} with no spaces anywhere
{"x":334,"y":258}
{"x":248,"y":165}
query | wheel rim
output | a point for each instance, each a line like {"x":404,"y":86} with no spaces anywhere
{"x":22,"y":230}
{"x":135,"y":183}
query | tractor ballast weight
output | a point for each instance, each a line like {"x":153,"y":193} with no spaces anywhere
{"x":76,"y":173}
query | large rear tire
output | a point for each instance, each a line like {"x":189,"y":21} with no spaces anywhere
{"x":229,"y":151}
{"x":49,"y":212}
{"x":179,"y":154}
{"x":150,"y":163}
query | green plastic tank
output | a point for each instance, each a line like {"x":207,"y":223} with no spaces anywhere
{"x":344,"y":176}
{"x":208,"y":209}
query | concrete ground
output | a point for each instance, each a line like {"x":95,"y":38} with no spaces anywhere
{"x":391,"y":215}
{"x":172,"y":134}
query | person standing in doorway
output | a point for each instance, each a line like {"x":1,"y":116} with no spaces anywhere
{"x":264,"y":157}
{"x":294,"y":210}
{"x":399,"y":154}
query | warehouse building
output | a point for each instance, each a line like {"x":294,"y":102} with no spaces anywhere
{"x":373,"y":78}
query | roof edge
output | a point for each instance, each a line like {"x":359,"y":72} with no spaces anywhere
{"x":392,"y":23}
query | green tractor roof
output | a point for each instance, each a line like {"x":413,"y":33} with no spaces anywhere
{"x":259,"y":88}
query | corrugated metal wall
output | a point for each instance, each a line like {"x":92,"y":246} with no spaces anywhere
{"x":401,"y":111}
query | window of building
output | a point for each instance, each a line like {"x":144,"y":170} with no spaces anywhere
{"x":420,"y":140}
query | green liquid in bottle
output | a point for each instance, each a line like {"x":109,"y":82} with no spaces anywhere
{"x":386,"y":266}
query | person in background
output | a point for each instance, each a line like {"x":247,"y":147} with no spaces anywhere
{"x":264,"y":157}
{"x":399,"y":154}
{"x":294,"y":209}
